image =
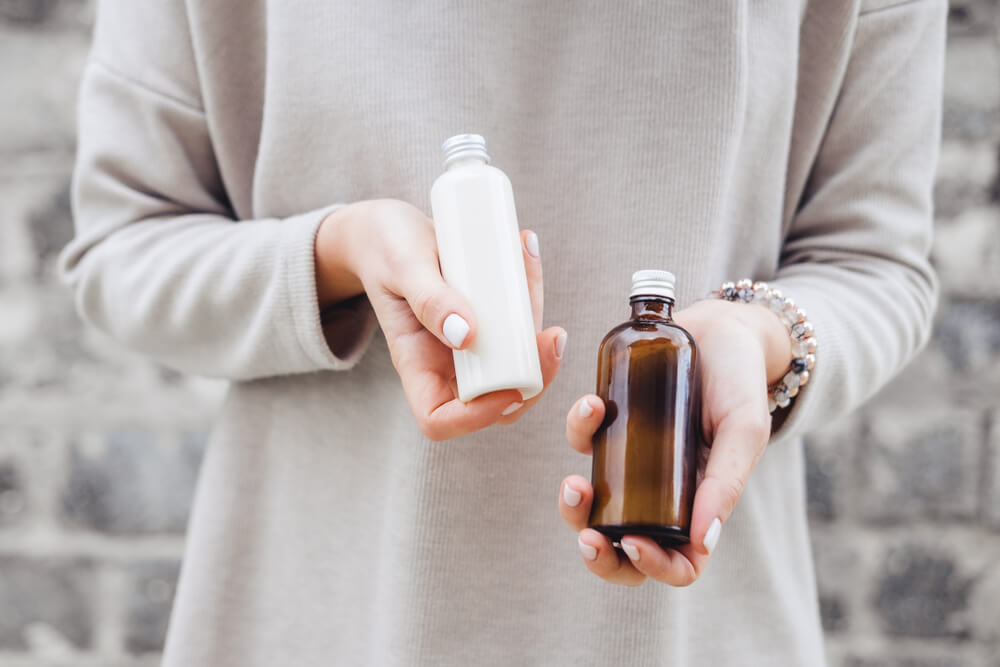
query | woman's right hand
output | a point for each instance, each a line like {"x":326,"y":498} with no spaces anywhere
{"x":386,"y":248}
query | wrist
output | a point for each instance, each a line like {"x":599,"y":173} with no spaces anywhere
{"x":336,"y":277}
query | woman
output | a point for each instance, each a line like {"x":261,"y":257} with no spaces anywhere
{"x":245,"y":167}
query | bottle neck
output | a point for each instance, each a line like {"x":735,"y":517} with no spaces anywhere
{"x":652,"y":308}
{"x":465,"y":161}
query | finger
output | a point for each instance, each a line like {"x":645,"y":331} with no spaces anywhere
{"x":533,"y":271}
{"x":604,"y":560}
{"x":677,"y":567}
{"x":453,"y":418}
{"x":441,"y":309}
{"x":551,"y":344}
{"x":740,"y":440}
{"x":582,"y":421}
{"x":575,"y":497}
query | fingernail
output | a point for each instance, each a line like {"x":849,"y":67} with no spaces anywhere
{"x":513,"y":407}
{"x":585,"y":409}
{"x":571,"y":496}
{"x":560,"y":344}
{"x":531,"y":243}
{"x":631,"y":551}
{"x":712,"y":535}
{"x":455,"y":329}
{"x":588,"y":552}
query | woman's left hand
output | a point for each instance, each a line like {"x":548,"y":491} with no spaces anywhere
{"x":741,"y":347}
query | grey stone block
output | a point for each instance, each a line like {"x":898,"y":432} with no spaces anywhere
{"x":131,"y":482}
{"x":833,"y":613}
{"x":26,"y":11}
{"x":45,"y":598}
{"x":972,"y":18}
{"x":51,"y":225}
{"x":967,"y":252}
{"x":149,"y":603}
{"x":921,"y":593}
{"x":991,"y":497}
{"x":12,"y":496}
{"x":968,"y":335}
{"x":895,"y":661}
{"x":920,"y":465}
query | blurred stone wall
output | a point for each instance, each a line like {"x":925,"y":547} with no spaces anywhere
{"x":99,"y":450}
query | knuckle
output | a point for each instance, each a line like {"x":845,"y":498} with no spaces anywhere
{"x":431,"y":429}
{"x":732,"y":489}
{"x":425,"y":304}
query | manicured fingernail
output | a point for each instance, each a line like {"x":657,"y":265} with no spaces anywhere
{"x":531,"y":243}
{"x":571,"y":496}
{"x":585,"y":409}
{"x":712,"y":535}
{"x":631,"y":551}
{"x":560,"y":344}
{"x":455,"y":329}
{"x":588,"y":552}
{"x":513,"y":407}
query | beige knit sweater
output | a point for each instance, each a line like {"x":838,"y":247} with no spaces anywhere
{"x":793,"y":142}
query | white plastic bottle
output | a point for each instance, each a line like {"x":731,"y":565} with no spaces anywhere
{"x":479,"y":246}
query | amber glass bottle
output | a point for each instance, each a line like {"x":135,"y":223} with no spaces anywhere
{"x":646,"y":450}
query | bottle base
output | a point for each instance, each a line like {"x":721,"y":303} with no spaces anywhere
{"x":666,"y":536}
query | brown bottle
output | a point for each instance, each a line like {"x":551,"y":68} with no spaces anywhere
{"x":646,"y":449}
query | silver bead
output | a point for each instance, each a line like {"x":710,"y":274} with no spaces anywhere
{"x":799,"y":331}
{"x":803,"y":347}
{"x":781,"y":398}
{"x":760,"y":295}
{"x":803,"y":378}
{"x":777,"y":304}
{"x":759,"y":286}
{"x":776,"y":294}
{"x":790,"y":306}
{"x":793,"y":392}
{"x":800,"y":315}
{"x":744,"y":283}
{"x":788,"y":318}
{"x":791,"y":380}
{"x":727,"y":285}
{"x":810,"y":361}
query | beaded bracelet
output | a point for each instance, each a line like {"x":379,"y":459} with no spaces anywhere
{"x":804,"y":344}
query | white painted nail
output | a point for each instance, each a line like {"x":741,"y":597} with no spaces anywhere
{"x":455,"y":329}
{"x":560,"y":344}
{"x":571,"y":496}
{"x":513,"y":407}
{"x":588,"y":552}
{"x":712,"y":534}
{"x":531,"y":243}
{"x":585,"y":409}
{"x":631,"y":551}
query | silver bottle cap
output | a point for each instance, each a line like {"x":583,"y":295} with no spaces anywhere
{"x":463,"y":146}
{"x":650,"y":282}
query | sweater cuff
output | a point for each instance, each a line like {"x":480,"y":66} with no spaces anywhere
{"x":812,"y":405}
{"x":337,"y":338}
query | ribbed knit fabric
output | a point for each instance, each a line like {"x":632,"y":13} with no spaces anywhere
{"x":789,"y":142}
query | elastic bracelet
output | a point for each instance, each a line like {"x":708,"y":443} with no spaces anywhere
{"x":804,"y":344}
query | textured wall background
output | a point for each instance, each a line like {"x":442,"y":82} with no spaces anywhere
{"x":99,"y":450}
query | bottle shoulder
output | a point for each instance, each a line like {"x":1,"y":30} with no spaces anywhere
{"x":648,"y":332}
{"x":461,"y":174}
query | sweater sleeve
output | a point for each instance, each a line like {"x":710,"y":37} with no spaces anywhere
{"x":159,"y":261}
{"x":856,"y":253}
